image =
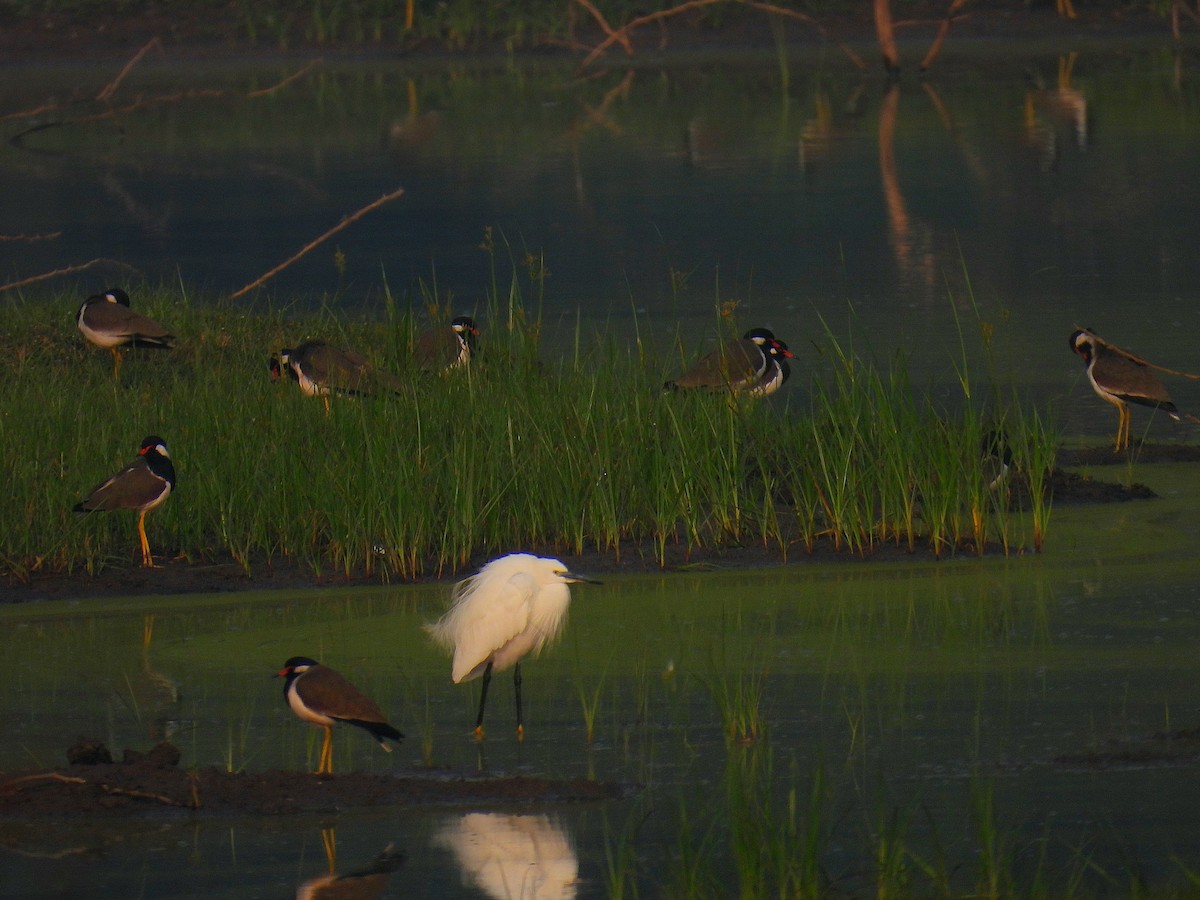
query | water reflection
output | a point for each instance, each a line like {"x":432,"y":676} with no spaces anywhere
{"x":512,"y":856}
{"x":151,"y":694}
{"x":363,"y":883}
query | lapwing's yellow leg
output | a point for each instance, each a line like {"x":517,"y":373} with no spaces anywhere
{"x":329,"y":839}
{"x":325,"y":767}
{"x":147,"y":559}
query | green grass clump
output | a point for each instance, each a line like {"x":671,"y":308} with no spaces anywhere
{"x":521,"y":451}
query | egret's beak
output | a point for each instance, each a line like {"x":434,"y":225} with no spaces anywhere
{"x":571,"y":576}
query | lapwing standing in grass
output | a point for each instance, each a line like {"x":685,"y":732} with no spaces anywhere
{"x":323,"y":696}
{"x":142,"y":485}
{"x":107,"y":321}
{"x":1120,"y":379}
{"x":322,"y":370}
{"x":446,"y":348}
{"x":756,"y":365}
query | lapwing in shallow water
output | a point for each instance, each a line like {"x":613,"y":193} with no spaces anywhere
{"x":321,"y":370}
{"x":513,"y":606}
{"x":1120,"y":379}
{"x":107,"y":321}
{"x":756,"y":364}
{"x":323,"y":696}
{"x":142,"y":485}
{"x":448,"y":347}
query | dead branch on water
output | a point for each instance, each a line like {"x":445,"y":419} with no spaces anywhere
{"x":350,"y":219}
{"x":111,"y":87}
{"x":66,"y":270}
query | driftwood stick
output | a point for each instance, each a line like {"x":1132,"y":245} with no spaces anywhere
{"x":603,"y":22}
{"x":935,"y":48}
{"x":42,"y":776}
{"x":622,"y":34}
{"x":66,"y":270}
{"x":139,"y":795}
{"x":139,"y":102}
{"x":803,"y":17}
{"x":111,"y":88}
{"x":30,"y":238}
{"x":353,"y":217}
{"x":299,"y":73}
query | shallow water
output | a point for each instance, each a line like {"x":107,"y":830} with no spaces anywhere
{"x":917,"y":692}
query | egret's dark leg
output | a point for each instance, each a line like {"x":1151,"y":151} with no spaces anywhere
{"x":487,"y":679}
{"x":517,"y":685}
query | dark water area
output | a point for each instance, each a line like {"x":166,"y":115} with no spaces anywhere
{"x":1028,"y":189}
{"x":1027,"y":721}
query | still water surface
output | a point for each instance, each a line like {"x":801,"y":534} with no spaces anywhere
{"x":918,"y":693}
{"x":1023,"y":188}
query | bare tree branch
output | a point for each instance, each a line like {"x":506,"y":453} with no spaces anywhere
{"x":353,"y":217}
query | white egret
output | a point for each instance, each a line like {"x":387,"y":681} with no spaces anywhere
{"x":513,"y":606}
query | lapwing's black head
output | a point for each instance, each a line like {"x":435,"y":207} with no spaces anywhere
{"x":1083,"y":342}
{"x":760,"y":336}
{"x":153,"y":444}
{"x":295,"y":667}
{"x":780,"y":351}
{"x":281,"y":363}
{"x":466,"y":330}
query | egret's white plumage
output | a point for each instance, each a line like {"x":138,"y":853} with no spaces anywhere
{"x":512,"y":607}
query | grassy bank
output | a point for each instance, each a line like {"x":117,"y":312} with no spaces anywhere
{"x":563,"y":453}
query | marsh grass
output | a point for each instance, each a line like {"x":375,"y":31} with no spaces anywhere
{"x":583,"y":452}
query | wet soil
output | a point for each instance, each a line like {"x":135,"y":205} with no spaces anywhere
{"x":1164,"y":748}
{"x":151,"y":783}
{"x":219,"y":574}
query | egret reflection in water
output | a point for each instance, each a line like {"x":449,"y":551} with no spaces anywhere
{"x":512,"y":856}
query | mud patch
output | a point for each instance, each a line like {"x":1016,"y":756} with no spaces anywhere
{"x":225,"y":575}
{"x":151,"y":783}
{"x":1164,"y":748}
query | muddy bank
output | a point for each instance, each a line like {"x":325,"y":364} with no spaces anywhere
{"x":223,"y":574}
{"x":152,"y":784}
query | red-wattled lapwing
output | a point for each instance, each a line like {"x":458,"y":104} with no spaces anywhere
{"x":321,"y":370}
{"x":323,"y":696}
{"x":756,"y":365}
{"x":107,"y":321}
{"x":513,"y":606}
{"x":142,"y":485}
{"x":1120,"y":379}
{"x":446,"y":348}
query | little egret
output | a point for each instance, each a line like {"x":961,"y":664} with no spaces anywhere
{"x":323,"y":696}
{"x":1120,"y":379}
{"x":513,"y":606}
{"x":107,"y":321}
{"x":142,"y":485}
{"x":755,"y":365}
